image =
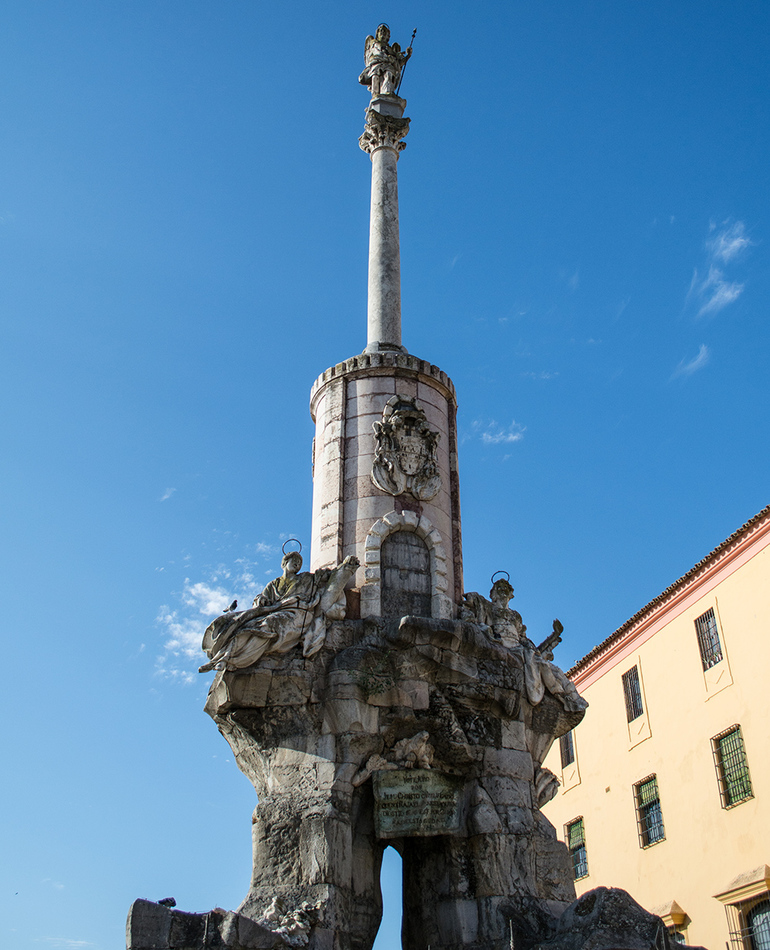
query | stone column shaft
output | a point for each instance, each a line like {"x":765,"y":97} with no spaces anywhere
{"x":385,"y":127}
{"x":384,"y":307}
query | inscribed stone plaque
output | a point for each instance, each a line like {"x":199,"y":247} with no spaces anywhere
{"x":415,"y":802}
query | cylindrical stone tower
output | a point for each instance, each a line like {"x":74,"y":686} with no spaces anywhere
{"x":385,"y":480}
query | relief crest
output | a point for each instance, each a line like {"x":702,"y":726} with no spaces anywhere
{"x":405,"y":451}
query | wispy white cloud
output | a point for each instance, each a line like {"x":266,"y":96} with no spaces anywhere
{"x":167,"y":494}
{"x":729,"y":242}
{"x":200,"y":600}
{"x":491,"y":433}
{"x":717,"y":292}
{"x":544,"y":374}
{"x":65,"y":943}
{"x":710,"y":289}
{"x":687,"y":367}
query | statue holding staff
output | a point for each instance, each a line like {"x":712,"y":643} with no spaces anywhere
{"x":384,"y":62}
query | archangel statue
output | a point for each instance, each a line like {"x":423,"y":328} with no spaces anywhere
{"x":384,"y":62}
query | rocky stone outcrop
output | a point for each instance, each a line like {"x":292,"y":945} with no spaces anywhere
{"x":449,"y":698}
{"x":608,"y":918}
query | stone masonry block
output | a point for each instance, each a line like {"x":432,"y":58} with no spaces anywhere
{"x":374,"y":384}
{"x":441,"y":567}
{"x":417,"y":690}
{"x":358,"y":467}
{"x":427,"y":395}
{"x":436,"y":538}
{"x":440,"y":583}
{"x":458,"y":922}
{"x":188,"y":930}
{"x":148,"y":926}
{"x":508,"y":791}
{"x":360,"y":485}
{"x":509,"y":762}
{"x":514,"y":736}
{"x":350,"y":715}
{"x":370,"y":600}
{"x":442,"y":607}
{"x":366,"y":509}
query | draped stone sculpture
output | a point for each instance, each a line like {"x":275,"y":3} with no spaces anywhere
{"x":384,"y":63}
{"x":292,"y":608}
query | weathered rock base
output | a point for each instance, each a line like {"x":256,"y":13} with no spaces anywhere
{"x":607,"y":918}
{"x":308,"y":731}
{"x":602,"y":919}
{"x":151,"y":926}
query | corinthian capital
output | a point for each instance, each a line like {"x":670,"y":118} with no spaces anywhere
{"x":383,"y":131}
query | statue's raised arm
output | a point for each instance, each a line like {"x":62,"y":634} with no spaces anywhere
{"x":384,"y":63}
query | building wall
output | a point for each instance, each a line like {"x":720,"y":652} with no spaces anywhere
{"x":706,"y":846}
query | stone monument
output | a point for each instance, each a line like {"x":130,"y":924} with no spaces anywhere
{"x":370,"y":700}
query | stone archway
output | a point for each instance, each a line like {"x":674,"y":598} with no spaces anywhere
{"x":441,"y":606}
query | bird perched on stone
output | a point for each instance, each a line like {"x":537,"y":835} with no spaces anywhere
{"x":232,"y":606}
{"x":167,"y":902}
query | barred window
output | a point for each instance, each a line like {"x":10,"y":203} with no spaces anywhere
{"x":708,"y":639}
{"x":678,"y":936}
{"x":758,"y":920}
{"x":567,"y":746}
{"x":576,"y":842}
{"x":732,"y":767}
{"x":749,"y":924}
{"x":649,"y":816}
{"x":633,"y":693}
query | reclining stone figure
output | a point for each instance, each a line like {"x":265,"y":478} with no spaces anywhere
{"x":292,"y":608}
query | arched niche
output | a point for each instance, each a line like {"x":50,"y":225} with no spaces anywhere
{"x":441,"y":606}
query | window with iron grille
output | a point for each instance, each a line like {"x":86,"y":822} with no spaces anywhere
{"x":749,"y":924}
{"x":576,"y":842}
{"x":649,"y":817}
{"x":708,"y":639}
{"x":567,"y":746}
{"x":633,"y":693}
{"x":732,"y":767}
{"x":758,"y":920}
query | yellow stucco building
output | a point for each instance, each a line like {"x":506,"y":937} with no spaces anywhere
{"x":666,"y":783}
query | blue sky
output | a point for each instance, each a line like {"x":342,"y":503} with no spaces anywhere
{"x":183,"y":226}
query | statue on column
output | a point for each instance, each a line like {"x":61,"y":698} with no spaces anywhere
{"x":384,"y":62}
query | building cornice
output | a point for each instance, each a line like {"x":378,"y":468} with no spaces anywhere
{"x":717,"y":561}
{"x":386,"y":363}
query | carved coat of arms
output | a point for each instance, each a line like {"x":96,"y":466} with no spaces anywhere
{"x":405,"y":451}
